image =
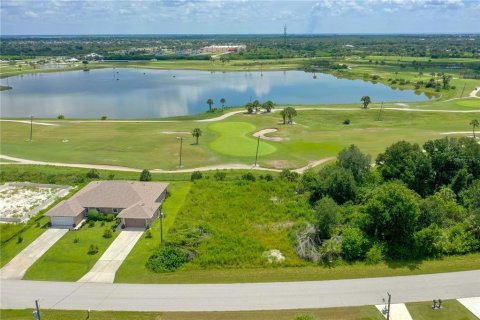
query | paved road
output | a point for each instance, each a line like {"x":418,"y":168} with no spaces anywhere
{"x":16,"y":294}
{"x":104,"y":270}
{"x":17,"y":267}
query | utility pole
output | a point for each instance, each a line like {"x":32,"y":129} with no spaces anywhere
{"x":161,"y":227}
{"x":36,"y":313}
{"x":256,"y":155}
{"x":31,"y":128}
{"x":460,"y":95}
{"x":181,"y":144}
{"x":388,"y":308}
{"x":380,"y":112}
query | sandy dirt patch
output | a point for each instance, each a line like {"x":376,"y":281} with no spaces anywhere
{"x":262,"y":135}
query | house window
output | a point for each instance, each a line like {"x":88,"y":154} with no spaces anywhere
{"x":115,"y":210}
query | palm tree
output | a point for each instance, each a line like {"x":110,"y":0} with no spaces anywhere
{"x":268,"y":106}
{"x":474,"y":123}
{"x":196,"y":133}
{"x":222,"y":101}
{"x":290,"y":113}
{"x":256,"y":105}
{"x":366,"y":101}
{"x":210,"y":102}
{"x":284,"y":116}
{"x":249,"y":107}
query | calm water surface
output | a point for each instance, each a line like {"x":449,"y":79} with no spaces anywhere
{"x":143,"y":93}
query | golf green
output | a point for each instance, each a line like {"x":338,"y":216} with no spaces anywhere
{"x":235,"y":140}
{"x":469,"y":103}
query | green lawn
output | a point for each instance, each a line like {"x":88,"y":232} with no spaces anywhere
{"x":133,"y":267}
{"x":347,"y":313}
{"x":318,"y":134}
{"x":70,"y":259}
{"x":452,"y":310}
{"x":239,"y":134}
{"x":11,"y":248}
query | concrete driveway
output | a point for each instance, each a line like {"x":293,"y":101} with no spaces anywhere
{"x":17,"y":267}
{"x":106,"y":267}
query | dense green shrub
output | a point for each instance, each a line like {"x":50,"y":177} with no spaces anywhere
{"x":93,"y":249}
{"x":374,"y":255}
{"x":93,"y":174}
{"x":289,"y":175}
{"x":145,"y":175}
{"x":333,"y":181}
{"x":107,"y":233}
{"x":219,"y":175}
{"x":166,"y":259}
{"x":196,"y":175}
{"x":327,"y":216}
{"x":248,"y":177}
{"x":94,"y":215}
{"x":354,"y":243}
{"x":430,"y":241}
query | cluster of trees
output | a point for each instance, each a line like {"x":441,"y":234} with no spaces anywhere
{"x":258,"y":46}
{"x":210,"y":103}
{"x":415,"y":202}
{"x":256,"y":105}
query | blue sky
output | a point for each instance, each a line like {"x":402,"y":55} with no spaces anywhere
{"x":238,"y":16}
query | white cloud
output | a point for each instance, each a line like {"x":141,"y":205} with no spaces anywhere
{"x":31,"y":14}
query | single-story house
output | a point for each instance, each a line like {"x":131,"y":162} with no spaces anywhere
{"x":136,"y":203}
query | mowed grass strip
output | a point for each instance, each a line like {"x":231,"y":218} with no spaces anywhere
{"x":451,"y":310}
{"x":235,"y":140}
{"x":345,"y":313}
{"x":133,"y":268}
{"x":68,"y":259}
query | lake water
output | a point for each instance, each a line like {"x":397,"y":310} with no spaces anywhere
{"x":143,"y":93}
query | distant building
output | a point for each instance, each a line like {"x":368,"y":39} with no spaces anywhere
{"x":223,"y":49}
{"x":72,"y":60}
{"x":93,"y":56}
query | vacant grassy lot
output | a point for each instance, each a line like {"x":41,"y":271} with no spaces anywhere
{"x":11,"y":248}
{"x":68,"y":259}
{"x":349,"y":313}
{"x":134,"y":265}
{"x":318,"y":134}
{"x":452,"y":310}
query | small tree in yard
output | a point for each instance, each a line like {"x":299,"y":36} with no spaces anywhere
{"x":107,"y":233}
{"x":93,"y":249}
{"x":196,"y":133}
{"x":366,"y":101}
{"x":145,"y":175}
{"x":474,"y":123}
{"x":222,"y":101}
{"x":166,"y":259}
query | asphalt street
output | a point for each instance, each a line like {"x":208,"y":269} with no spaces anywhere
{"x":17,"y":294}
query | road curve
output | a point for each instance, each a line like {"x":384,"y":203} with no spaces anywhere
{"x":19,"y":294}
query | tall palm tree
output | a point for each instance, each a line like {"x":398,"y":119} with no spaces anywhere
{"x":210,"y":102}
{"x":284,"y":116}
{"x":474,"y":123}
{"x":222,"y":101}
{"x":256,"y":105}
{"x":366,"y":101}
{"x":249,"y":107}
{"x":291,"y":113}
{"x":196,"y":133}
{"x":268,"y":106}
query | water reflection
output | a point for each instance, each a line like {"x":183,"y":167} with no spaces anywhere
{"x":143,"y":93}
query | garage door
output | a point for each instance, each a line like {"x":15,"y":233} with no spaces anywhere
{"x":62,"y":221}
{"x":135,"y":223}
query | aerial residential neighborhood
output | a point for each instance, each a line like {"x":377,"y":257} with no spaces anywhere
{"x":247,"y":160}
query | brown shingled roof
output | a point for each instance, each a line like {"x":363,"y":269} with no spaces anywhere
{"x":138,"y":199}
{"x":70,"y":208}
